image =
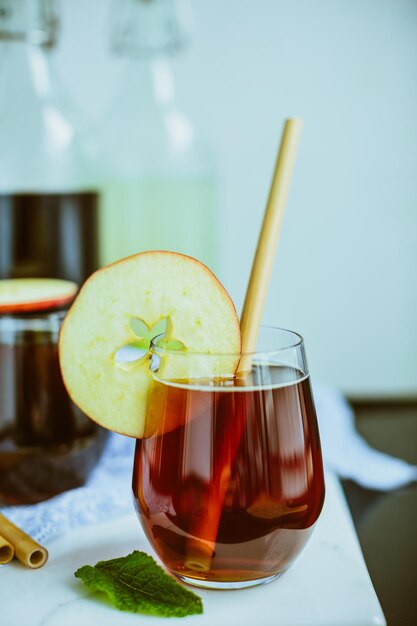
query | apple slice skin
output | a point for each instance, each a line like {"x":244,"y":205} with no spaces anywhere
{"x":26,"y":295}
{"x":149,"y":286}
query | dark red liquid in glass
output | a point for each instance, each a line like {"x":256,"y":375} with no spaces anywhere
{"x":49,"y":235}
{"x":230,"y":485}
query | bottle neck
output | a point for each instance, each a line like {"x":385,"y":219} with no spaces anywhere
{"x":31,"y":21}
{"x":148,"y":28}
{"x":147,"y":86}
{"x":24,"y":73}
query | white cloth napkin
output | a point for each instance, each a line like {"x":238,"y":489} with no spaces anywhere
{"x":108,"y":492}
{"x":347,"y":454}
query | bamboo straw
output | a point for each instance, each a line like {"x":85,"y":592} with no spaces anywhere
{"x":201,"y":545}
{"x":6,"y":551}
{"x":268,"y":241}
{"x":27,"y":550}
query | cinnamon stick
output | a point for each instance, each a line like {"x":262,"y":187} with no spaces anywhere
{"x":26,"y":549}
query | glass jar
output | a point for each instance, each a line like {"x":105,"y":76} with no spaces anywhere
{"x":47,"y":445}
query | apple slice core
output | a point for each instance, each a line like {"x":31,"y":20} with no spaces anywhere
{"x":149,"y":286}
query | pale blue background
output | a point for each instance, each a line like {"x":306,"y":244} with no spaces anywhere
{"x":345,"y":274}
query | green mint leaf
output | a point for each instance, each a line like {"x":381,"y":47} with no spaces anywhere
{"x":137,"y":583}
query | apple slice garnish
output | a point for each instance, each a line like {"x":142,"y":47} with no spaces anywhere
{"x":150,"y":287}
{"x":27,"y":295}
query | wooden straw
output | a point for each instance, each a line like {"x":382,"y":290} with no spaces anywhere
{"x":27,"y":550}
{"x":268,"y":240}
{"x":201,"y":545}
{"x":6,"y":551}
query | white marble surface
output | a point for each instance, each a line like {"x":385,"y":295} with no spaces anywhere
{"x":327,"y":586}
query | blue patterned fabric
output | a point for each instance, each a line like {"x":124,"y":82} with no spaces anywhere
{"x":106,"y":495}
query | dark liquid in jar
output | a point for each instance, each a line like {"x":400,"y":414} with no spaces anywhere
{"x":47,"y":445}
{"x":48,"y":235}
{"x":240,"y":470}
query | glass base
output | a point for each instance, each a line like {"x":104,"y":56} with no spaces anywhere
{"x":219,"y":584}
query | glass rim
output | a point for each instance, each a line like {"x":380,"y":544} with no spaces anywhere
{"x":298,"y":342}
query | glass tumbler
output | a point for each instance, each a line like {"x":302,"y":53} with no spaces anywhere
{"x":228,"y":481}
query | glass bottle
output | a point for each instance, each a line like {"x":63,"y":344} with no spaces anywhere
{"x":48,"y":202}
{"x":160,"y":188}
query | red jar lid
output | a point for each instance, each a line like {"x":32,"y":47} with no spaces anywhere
{"x":25,"y":295}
